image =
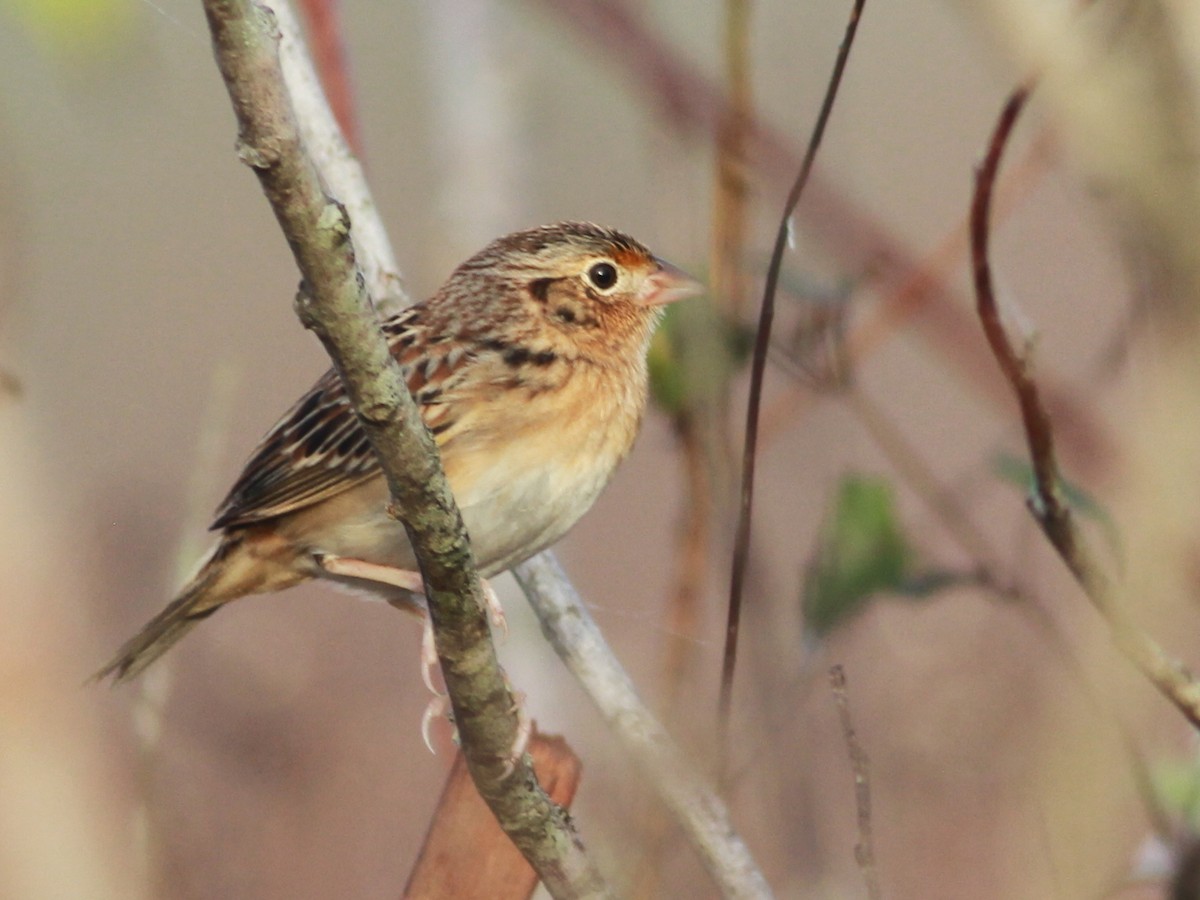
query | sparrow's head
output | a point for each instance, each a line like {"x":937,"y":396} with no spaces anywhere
{"x":576,"y":282}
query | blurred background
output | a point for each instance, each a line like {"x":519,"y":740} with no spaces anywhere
{"x":147,"y":341}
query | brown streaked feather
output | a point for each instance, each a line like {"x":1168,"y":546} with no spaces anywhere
{"x":318,"y":449}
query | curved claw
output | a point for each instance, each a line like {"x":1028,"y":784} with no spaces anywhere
{"x":495,"y":610}
{"x":438,"y":706}
{"x":429,"y":657}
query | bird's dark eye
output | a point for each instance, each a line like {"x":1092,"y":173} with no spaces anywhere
{"x":603,"y":275}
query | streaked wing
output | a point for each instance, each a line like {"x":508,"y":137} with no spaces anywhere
{"x":318,"y":449}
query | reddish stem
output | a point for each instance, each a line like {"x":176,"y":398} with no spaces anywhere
{"x":324,"y":23}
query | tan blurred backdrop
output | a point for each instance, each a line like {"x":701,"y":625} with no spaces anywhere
{"x":145,"y":309}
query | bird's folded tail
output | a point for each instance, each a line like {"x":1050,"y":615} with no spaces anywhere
{"x":198,"y":600}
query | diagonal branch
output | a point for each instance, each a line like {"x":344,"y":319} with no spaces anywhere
{"x":334,"y":159}
{"x":1047,"y":503}
{"x":334,"y":302}
{"x":329,"y":57}
{"x":700,"y":813}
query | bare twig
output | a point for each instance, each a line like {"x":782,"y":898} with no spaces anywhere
{"x":691,"y":556}
{"x":1046,"y":503}
{"x":705,"y":359}
{"x":864,"y":850}
{"x":329,"y":56}
{"x":334,"y":302}
{"x":741,"y":551}
{"x":700,"y":812}
{"x":728,"y":263}
{"x":1033,"y":415}
{"x":341,"y":172}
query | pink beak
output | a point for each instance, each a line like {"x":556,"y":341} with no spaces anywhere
{"x":667,"y":284}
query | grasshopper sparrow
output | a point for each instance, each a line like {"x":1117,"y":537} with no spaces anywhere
{"x":529,"y":368}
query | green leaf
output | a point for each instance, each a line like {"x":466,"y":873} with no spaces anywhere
{"x":1018,"y":471}
{"x":693,"y":355}
{"x":668,"y":386}
{"x":861,"y":551}
{"x":1177,"y":786}
{"x":75,"y":30}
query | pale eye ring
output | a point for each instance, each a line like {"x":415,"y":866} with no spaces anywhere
{"x":602,"y":275}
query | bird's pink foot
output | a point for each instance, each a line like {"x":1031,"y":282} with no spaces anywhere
{"x":405,"y":579}
{"x":408,"y":580}
{"x":348,"y":567}
{"x":438,"y":706}
{"x":492,"y":602}
{"x":429,"y":657}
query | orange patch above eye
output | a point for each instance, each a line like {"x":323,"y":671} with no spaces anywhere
{"x":628,"y":257}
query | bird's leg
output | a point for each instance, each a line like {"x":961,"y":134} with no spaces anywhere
{"x":406,"y":579}
{"x":348,"y":567}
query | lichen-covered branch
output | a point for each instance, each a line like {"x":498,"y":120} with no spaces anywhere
{"x":334,"y":302}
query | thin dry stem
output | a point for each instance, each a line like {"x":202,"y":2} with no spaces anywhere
{"x":864,"y":850}
{"x":700,"y":812}
{"x":1047,"y":504}
{"x":728,"y":270}
{"x":702,"y":426}
{"x":683,"y":611}
{"x":339,"y":168}
{"x":762,"y":343}
{"x":330,"y":59}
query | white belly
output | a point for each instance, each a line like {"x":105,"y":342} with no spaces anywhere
{"x":513,"y":504}
{"x":519,"y":490}
{"x":511,"y":518}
